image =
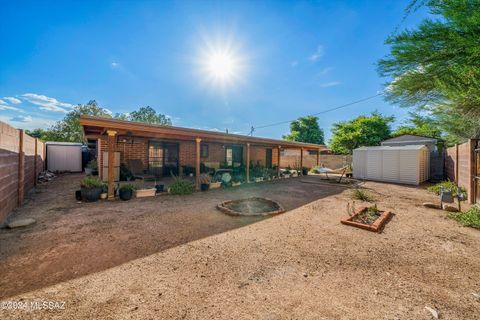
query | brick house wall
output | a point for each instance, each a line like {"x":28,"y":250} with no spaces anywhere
{"x":187,"y":152}
{"x":460,"y":166}
{"x":17,"y":167}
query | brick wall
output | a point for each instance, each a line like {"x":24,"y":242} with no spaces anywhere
{"x":14,"y":155}
{"x":332,"y":161}
{"x":187,"y":151}
{"x":460,"y":166}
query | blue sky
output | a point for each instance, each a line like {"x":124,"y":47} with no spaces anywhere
{"x":291,"y":59}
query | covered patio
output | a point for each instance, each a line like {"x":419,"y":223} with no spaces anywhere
{"x":160,"y":151}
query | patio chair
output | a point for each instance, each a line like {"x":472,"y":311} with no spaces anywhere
{"x":136,"y":167}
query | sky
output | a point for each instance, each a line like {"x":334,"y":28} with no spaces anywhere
{"x":211,"y":65}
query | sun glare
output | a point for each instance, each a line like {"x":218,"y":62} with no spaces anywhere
{"x":221,"y":66}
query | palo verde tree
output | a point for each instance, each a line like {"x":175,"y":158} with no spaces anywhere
{"x":145,"y":114}
{"x":437,"y":66}
{"x":361,"y":131}
{"x":305,"y":129}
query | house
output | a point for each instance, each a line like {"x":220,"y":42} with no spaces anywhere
{"x":436,"y":155}
{"x":162,"y":150}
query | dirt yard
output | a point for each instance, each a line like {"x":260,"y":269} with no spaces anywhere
{"x":177,"y":257}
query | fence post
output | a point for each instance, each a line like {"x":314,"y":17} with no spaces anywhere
{"x":456,"y":163}
{"x":21,"y":169}
{"x":35,"y":173}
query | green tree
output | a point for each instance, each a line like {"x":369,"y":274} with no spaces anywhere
{"x":36,"y":133}
{"x":361,"y":131}
{"x":305,"y":129}
{"x":437,"y":65}
{"x":69,"y":129}
{"x":145,"y":114}
{"x":420,"y":125}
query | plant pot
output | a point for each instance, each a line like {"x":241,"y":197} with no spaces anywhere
{"x":88,"y":171}
{"x":159,"y":188}
{"x":305,"y":172}
{"x":91,"y":194}
{"x":236,"y":184}
{"x":141,"y":193}
{"x":286,"y":175}
{"x":103,"y":195}
{"x":259,"y":179}
{"x":78,"y":195}
{"x":204,"y":186}
{"x":125,"y":194}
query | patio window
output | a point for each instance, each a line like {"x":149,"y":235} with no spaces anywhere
{"x":312,"y":152}
{"x":204,"y":150}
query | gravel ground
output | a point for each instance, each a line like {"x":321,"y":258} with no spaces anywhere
{"x":302,"y":264}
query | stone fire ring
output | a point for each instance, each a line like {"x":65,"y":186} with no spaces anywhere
{"x":226,"y":207}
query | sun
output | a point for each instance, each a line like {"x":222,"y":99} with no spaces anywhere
{"x":221,"y":66}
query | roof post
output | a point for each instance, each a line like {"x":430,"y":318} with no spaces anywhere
{"x":197,"y":163}
{"x":111,"y":163}
{"x":247,"y":173}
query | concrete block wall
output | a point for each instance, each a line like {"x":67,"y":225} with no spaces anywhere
{"x":21,"y":160}
{"x":332,"y":161}
{"x":460,"y":166}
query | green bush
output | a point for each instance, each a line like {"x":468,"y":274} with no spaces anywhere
{"x":362,"y":195}
{"x":92,"y":164}
{"x":447,"y":186}
{"x":91,"y":182}
{"x":127,"y":186}
{"x":469,"y":218}
{"x":181,"y":186}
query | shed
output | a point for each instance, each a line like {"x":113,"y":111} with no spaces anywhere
{"x":411,"y":139}
{"x":64,"y":156}
{"x":403,"y":164}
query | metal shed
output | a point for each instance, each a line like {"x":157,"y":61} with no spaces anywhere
{"x":64,"y":156}
{"x":404,"y":164}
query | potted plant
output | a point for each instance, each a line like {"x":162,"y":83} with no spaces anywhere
{"x":205,"y":181}
{"x":91,"y":188}
{"x":104,"y":193}
{"x":305,"y":171}
{"x":126,"y":191}
{"x":90,"y":167}
{"x":286,"y":173}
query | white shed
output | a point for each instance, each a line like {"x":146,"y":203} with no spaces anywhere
{"x":64,"y":156}
{"x":403,"y":164}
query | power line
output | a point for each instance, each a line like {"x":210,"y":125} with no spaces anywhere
{"x":316,"y":114}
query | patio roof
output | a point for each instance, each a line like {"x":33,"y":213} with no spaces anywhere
{"x":95,"y":127}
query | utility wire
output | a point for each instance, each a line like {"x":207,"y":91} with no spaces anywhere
{"x":316,"y":114}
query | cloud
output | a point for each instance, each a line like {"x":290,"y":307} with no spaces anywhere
{"x":324,"y":71}
{"x":317,"y":54}
{"x":47,"y":103}
{"x":115,"y":64}
{"x":330,"y":84}
{"x":12,"y":100}
{"x":7,"y":107}
{"x":294,"y":63}
{"x":22,"y":119}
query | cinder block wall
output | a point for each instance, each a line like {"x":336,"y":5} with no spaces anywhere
{"x":20,"y":164}
{"x":460,"y":166}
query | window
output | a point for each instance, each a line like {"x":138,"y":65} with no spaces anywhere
{"x":204,"y":150}
{"x":312,"y":152}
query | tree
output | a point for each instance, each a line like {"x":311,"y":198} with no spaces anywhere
{"x":437,"y":65}
{"x":69,"y":129}
{"x":420,"y":125}
{"x":36,"y":133}
{"x":145,"y":114}
{"x":305,"y":129}
{"x":361,"y":131}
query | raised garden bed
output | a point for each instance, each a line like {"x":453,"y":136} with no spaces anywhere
{"x":368,"y":219}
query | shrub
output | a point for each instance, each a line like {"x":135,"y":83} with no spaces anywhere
{"x":127,"y":186}
{"x":447,"y":186}
{"x":92,"y":164}
{"x":362,"y":195}
{"x":91,"y":182}
{"x":469,"y":218}
{"x":181,"y":186}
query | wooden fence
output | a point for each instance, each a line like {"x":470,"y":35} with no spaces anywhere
{"x":21,"y":160}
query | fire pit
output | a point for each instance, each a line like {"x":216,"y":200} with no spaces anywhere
{"x":250,"y":207}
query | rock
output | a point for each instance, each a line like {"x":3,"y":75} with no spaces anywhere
{"x":431,"y":205}
{"x":434,"y":312}
{"x":449,"y":208}
{"x":21,"y":223}
{"x":476,"y":295}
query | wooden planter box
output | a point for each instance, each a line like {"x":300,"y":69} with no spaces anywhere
{"x":376,"y":226}
{"x":259,"y":179}
{"x":236,"y":184}
{"x":141,"y":193}
{"x":215,"y":185}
